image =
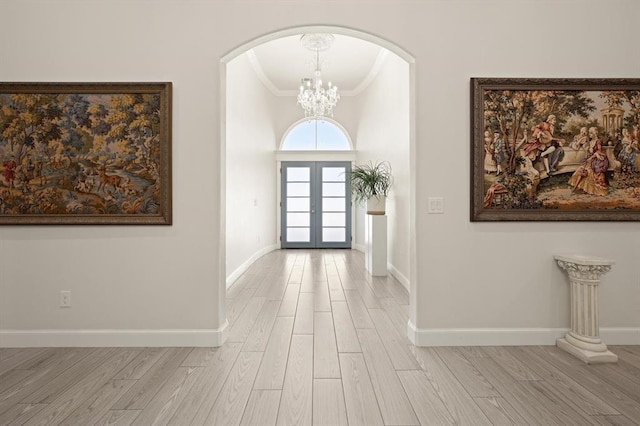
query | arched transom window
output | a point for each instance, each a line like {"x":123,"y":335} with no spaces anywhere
{"x":316,"y":135}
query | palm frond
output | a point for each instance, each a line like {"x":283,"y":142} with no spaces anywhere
{"x":370,"y":179}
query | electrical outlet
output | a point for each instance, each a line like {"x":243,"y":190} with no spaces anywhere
{"x":65,"y":298}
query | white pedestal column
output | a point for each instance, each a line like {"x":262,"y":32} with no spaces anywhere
{"x":583,"y":341}
{"x":375,"y":240}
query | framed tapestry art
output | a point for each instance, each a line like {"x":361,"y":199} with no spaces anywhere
{"x":555,"y":149}
{"x":85,"y":153}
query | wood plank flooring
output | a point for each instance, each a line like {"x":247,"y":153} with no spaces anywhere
{"x":314,"y":340}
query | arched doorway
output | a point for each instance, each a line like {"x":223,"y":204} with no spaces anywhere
{"x":404,"y":56}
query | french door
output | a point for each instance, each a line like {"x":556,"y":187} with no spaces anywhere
{"x":316,"y":204}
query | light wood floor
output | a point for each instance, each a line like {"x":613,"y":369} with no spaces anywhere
{"x":314,"y":340}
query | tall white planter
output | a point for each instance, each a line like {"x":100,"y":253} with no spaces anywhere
{"x":375,"y":240}
{"x":376,"y":205}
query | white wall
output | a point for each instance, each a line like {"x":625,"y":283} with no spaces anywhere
{"x":467,"y":275}
{"x":251,"y":168}
{"x":502,"y":275}
{"x":383,"y":134}
{"x":160,"y":281}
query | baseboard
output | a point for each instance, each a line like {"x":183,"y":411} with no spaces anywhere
{"x":231,"y":278}
{"x":398,"y":276}
{"x":511,"y":336}
{"x":620,"y":335}
{"x":112,"y":338}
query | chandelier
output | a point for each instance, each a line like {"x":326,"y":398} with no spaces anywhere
{"x":317,"y":101}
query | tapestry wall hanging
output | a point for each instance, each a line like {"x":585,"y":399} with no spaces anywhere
{"x":85,"y":153}
{"x":555,"y":149}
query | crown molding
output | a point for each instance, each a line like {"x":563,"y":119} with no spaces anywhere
{"x":257,"y":69}
{"x":373,"y":73}
{"x":273,"y":89}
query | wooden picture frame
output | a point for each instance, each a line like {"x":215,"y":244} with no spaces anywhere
{"x":555,"y":149}
{"x":85,"y":153}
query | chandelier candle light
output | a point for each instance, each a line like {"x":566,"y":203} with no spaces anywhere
{"x":317,"y":101}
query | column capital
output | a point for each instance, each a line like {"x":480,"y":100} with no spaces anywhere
{"x":584,"y":268}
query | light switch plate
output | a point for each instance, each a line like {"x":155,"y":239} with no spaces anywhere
{"x":436,"y":205}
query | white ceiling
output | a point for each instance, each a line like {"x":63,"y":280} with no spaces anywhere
{"x":350,"y":63}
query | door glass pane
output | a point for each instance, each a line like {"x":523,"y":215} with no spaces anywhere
{"x":298,"y":204}
{"x":333,"y":174}
{"x":333,"y":219}
{"x":333,"y":189}
{"x":298,"y":189}
{"x":333,"y":234}
{"x":298,"y":235}
{"x":300,"y":174}
{"x":298,"y":219}
{"x":333,"y":204}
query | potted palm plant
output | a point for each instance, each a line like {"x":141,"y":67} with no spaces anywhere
{"x":370,"y":184}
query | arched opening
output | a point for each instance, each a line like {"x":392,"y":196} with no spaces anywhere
{"x":410,"y":132}
{"x":316,"y":135}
